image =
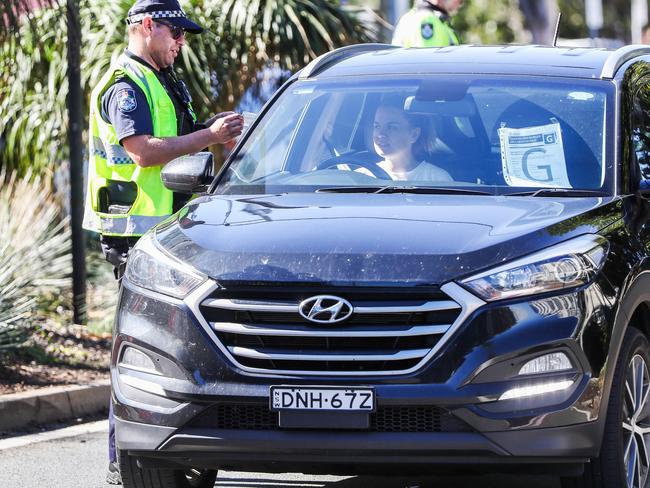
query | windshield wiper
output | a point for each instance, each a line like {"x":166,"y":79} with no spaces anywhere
{"x":556,"y":192}
{"x":430,"y":190}
{"x":350,"y":189}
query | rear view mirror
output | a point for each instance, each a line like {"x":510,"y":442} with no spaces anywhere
{"x":189,"y":174}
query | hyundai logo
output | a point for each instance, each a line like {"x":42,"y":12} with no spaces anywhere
{"x":325,"y":309}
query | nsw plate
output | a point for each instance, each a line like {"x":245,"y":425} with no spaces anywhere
{"x":307,"y":398}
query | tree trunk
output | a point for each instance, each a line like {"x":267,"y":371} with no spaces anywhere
{"x":75,"y":124}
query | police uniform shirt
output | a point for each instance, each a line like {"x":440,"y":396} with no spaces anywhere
{"x":125,"y":107}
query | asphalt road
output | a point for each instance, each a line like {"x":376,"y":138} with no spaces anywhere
{"x":76,"y":458}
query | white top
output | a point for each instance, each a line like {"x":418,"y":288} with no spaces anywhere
{"x":422,"y":172}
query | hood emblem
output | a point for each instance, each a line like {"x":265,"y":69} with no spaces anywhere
{"x":325,"y":309}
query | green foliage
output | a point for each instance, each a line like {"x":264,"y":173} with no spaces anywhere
{"x":490,"y":22}
{"x":241,"y":37}
{"x":616,"y":19}
{"x":34,"y":253}
{"x":31,"y":113}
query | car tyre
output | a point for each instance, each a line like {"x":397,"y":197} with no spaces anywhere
{"x":624,"y":459}
{"x":133,"y":476}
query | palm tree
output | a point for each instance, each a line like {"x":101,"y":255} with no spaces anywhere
{"x":241,"y":37}
{"x":18,"y":23}
{"x":43,"y":58}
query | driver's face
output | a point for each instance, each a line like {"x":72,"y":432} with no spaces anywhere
{"x":392,"y":133}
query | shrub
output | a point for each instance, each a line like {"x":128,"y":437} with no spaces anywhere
{"x":34,"y":253}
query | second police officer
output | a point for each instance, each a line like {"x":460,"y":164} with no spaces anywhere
{"x":427,"y":24}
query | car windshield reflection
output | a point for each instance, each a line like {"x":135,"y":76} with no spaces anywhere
{"x":487,"y":134}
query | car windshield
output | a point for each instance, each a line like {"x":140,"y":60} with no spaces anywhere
{"x":476,"y":135}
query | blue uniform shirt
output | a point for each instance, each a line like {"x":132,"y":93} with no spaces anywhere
{"x":124,"y":106}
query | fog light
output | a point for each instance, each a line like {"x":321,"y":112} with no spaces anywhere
{"x":135,"y":359}
{"x":526,"y":391}
{"x":549,"y":363}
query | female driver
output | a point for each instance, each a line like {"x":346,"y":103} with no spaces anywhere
{"x":398,"y":138}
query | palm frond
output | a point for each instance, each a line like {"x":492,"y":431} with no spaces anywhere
{"x":15,"y":14}
{"x":241,"y":38}
{"x":34,"y":252}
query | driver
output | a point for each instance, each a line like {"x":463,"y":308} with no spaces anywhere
{"x":401,"y":139}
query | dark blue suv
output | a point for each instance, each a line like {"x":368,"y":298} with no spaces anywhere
{"x":424,"y":258}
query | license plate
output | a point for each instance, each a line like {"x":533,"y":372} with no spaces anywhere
{"x":322,"y":398}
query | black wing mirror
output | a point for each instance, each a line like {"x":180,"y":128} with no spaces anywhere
{"x":189,"y":174}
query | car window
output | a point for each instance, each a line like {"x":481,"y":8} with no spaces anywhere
{"x":265,"y":153}
{"x":641,"y":130}
{"x":501,"y":135}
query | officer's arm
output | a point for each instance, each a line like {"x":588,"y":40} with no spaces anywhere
{"x":146,"y":150}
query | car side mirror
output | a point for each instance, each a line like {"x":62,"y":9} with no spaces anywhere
{"x":189,"y":174}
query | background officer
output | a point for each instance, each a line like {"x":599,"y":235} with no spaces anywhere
{"x":141,"y":117}
{"x":427,"y":24}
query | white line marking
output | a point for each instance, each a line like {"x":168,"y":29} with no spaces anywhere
{"x":75,"y":430}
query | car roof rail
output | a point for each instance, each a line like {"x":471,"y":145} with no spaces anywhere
{"x":622,"y":55}
{"x":332,"y":57}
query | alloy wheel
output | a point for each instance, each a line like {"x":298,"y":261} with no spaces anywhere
{"x":636,"y":423}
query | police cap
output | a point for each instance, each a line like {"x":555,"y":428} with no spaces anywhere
{"x":169,"y":10}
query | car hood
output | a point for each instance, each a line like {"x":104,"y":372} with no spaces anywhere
{"x":366,"y":239}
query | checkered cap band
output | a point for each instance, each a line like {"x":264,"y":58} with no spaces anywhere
{"x":160,"y":14}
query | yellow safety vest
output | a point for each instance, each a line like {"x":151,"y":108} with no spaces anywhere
{"x":422,"y":27}
{"x":108,"y":161}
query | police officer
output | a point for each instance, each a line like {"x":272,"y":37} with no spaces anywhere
{"x":427,"y":24}
{"x":141,"y":117}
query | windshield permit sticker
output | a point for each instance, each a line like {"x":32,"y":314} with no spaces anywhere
{"x":534,"y":156}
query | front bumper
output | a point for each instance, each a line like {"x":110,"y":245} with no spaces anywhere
{"x":156,"y":415}
{"x":559,"y":451}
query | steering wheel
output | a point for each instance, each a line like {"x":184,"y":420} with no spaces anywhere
{"x":355,"y":160}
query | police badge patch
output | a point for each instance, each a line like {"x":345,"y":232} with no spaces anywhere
{"x":426,"y":29}
{"x":126,"y":101}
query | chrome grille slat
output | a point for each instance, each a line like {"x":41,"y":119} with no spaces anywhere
{"x":352,"y":356}
{"x":426,"y":307}
{"x":249,"y":306}
{"x":298,"y":331}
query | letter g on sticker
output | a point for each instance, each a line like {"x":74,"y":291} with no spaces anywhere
{"x":546,"y":168}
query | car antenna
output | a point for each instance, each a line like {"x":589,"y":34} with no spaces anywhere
{"x":557,"y":29}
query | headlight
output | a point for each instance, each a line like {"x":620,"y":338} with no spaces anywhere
{"x":152,"y":268}
{"x":570,"y":264}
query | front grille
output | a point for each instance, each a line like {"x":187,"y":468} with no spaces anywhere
{"x":390,"y":331}
{"x":385,"y":419}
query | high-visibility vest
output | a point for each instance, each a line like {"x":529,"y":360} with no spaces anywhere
{"x":109,"y":162}
{"x":422,"y":27}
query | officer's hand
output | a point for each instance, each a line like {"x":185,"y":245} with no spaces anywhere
{"x":226,"y":128}
{"x":211,"y":120}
